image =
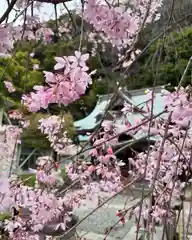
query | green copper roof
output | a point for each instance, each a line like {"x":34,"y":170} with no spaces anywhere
{"x":139,"y":97}
{"x":83,"y":138}
{"x":158,"y":102}
{"x":91,"y":120}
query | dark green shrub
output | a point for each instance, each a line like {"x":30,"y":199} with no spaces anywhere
{"x":165,"y":61}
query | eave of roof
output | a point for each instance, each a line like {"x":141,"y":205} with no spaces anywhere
{"x":138,"y":97}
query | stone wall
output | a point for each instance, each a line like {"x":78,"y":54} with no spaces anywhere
{"x":9,"y":139}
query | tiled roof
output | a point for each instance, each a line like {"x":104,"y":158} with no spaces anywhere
{"x":90,"y":121}
{"x":136,"y":97}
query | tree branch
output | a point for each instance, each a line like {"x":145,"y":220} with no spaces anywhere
{"x":53,"y":1}
{"x":149,"y":44}
{"x":9,"y":9}
{"x":100,"y":205}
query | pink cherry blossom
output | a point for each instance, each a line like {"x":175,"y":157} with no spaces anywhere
{"x":61,"y":62}
{"x":79,"y":60}
{"x":9,"y":86}
{"x":6,"y":41}
{"x":61,"y":88}
{"x":162,"y":165}
{"x":119,"y":25}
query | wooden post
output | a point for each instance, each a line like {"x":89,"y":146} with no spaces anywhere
{"x":27,"y":158}
{"x":19,"y":148}
{"x":1,"y":116}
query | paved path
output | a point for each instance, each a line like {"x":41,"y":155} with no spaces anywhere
{"x":105,"y":217}
{"x":93,"y":228}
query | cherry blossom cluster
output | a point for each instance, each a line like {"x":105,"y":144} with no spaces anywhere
{"x":144,"y":109}
{"x":34,"y":30}
{"x":36,"y":208}
{"x":120,"y":25}
{"x":64,"y":87}
{"x":48,"y":173}
{"x":51,"y":125}
{"x":20,"y":4}
{"x":102,"y":174}
{"x":97,"y":39}
{"x":18,"y":116}
{"x":46,"y":179}
{"x":53,"y":128}
{"x":14,"y":114}
{"x":147,"y":9}
{"x":9,"y":86}
{"x":167,"y":164}
{"x":6,"y":41}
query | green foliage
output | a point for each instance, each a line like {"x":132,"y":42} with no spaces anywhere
{"x":82,"y":107}
{"x":4,"y":216}
{"x":28,"y":179}
{"x":45,"y":54}
{"x":164,"y":62}
{"x":64,"y":174}
{"x":19,"y":71}
{"x":65,"y":46}
{"x":32,"y":136}
{"x":69,"y":125}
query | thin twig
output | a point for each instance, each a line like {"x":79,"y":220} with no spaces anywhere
{"x":70,"y":15}
{"x":8,"y":10}
{"x":184,"y":74}
{"x":100,"y":205}
{"x":117,"y":135}
{"x":149,"y":44}
{"x":82,"y":24}
{"x":161,"y":150}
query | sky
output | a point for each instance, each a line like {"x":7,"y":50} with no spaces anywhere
{"x":47,"y":10}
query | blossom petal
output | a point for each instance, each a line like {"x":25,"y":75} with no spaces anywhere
{"x":85,"y":57}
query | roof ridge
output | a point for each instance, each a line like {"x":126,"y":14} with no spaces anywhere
{"x":132,"y":91}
